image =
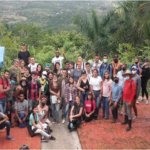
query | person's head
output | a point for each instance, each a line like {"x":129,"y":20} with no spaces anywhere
{"x":67,"y":64}
{"x":33,"y":75}
{"x":50,"y":75}
{"x":32,"y":60}
{"x":134,"y":70}
{"x":106,"y":75}
{"x":124,"y":67}
{"x":47,"y":67}
{"x":115,"y":58}
{"x":57,"y":65}
{"x":137,"y":60}
{"x":6,"y":74}
{"x":127,"y":74}
{"x":145,"y":64}
{"x":77,"y":100}
{"x":43,"y":100}
{"x":34,"y":110}
{"x":96,"y":58}
{"x":16,"y":63}
{"x":79,"y":64}
{"x":71,"y":80}
{"x":23,"y":82}
{"x":116,"y":79}
{"x":39,"y":68}
{"x":44,"y":74}
{"x":27,"y":70}
{"x":88,"y":66}
{"x":13,"y":77}
{"x":146,"y":60}
{"x":83,"y":74}
{"x":22,"y":63}
{"x":21,"y":96}
{"x":64,"y":72}
{"x":23,"y":46}
{"x":57,"y":53}
{"x":80,"y":58}
{"x":55,"y":77}
{"x":95,"y":73}
{"x":71,"y":65}
{"x":90,"y":96}
{"x":105,"y":58}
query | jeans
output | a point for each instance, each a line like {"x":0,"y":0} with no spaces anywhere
{"x":3,"y":105}
{"x":68,"y":107}
{"x":97,"y":100}
{"x":7,"y":125}
{"x":83,"y":97}
{"x":114,"y":111}
{"x":105,"y":107}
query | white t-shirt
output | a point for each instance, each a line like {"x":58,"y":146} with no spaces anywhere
{"x":121,"y":79}
{"x":33,"y":67}
{"x":58,"y":59}
{"x":95,"y":82}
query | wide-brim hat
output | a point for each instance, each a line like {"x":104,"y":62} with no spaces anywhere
{"x":23,"y":79}
{"x":128,"y":72}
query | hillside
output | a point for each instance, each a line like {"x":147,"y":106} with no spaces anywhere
{"x":52,"y":14}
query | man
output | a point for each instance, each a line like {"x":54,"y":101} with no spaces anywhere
{"x":97,"y":63}
{"x":33,"y":91}
{"x":62,"y":81}
{"x":128,"y":95}
{"x":21,"y":110}
{"x":4,"y":123}
{"x":15,"y":69}
{"x":4,"y":89}
{"x":105,"y":66}
{"x":58,"y":59}
{"x":137,"y":64}
{"x":116,"y":65}
{"x":80,"y":59}
{"x":88,"y":70}
{"x":137,"y":80}
{"x":33,"y":65}
{"x":47,"y":67}
{"x":24,"y":54}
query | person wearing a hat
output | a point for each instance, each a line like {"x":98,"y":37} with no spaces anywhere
{"x":47,"y":67}
{"x":24,"y":54}
{"x":128,"y":96}
{"x":116,"y":95}
{"x":137,"y":80}
{"x":89,"y":108}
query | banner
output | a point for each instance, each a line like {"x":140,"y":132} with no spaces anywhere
{"x":2,"y":55}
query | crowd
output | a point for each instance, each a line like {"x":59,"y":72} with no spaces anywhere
{"x":77,"y":91}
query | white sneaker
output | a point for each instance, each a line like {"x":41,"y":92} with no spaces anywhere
{"x":135,"y":117}
{"x":147,"y":102}
{"x":142,"y":99}
{"x":137,"y":102}
{"x":63,"y":121}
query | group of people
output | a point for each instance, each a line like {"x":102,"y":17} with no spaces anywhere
{"x":77,"y":91}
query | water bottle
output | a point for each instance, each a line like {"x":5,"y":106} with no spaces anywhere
{"x":71,"y":125}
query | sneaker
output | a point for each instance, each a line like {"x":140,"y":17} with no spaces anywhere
{"x":137,"y":102}
{"x":147,"y":102}
{"x":135,"y":117}
{"x":63,"y":121}
{"x":53,"y":121}
{"x":142,"y":99}
{"x":44,"y":140}
{"x":10,"y":138}
{"x":52,"y":138}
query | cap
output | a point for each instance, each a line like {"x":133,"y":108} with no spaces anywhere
{"x":44,"y":97}
{"x":128,"y":72}
{"x":83,"y":72}
{"x":23,"y":44}
{"x":116,"y":77}
{"x":47,"y":65}
{"x":134,"y":67}
{"x":13,"y":75}
{"x":44,"y":73}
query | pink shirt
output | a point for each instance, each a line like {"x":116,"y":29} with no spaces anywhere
{"x":42,"y":112}
{"x":107,"y":87}
{"x":88,"y":106}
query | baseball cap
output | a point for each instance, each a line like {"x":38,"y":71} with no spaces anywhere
{"x":83,"y":72}
{"x":23,"y":44}
{"x":47,"y":65}
{"x":134,"y":67}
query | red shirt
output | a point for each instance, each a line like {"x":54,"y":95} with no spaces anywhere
{"x":88,"y":106}
{"x":129,"y":90}
{"x":4,"y":85}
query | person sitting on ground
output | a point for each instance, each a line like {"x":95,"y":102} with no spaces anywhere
{"x":37,"y":127}
{"x":4,"y":122}
{"x":75,"y":115}
{"x":21,"y":110}
{"x":89,"y":108}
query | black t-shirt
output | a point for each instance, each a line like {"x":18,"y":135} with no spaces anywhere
{"x":85,"y":85}
{"x":24,"y":56}
{"x":77,"y":109}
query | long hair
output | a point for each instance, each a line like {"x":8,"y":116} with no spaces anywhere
{"x":40,"y":73}
{"x":69,"y":80}
{"x":104,"y":75}
{"x":55,"y":69}
{"x":91,"y":101}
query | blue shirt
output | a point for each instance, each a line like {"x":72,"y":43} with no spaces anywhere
{"x":137,"y":68}
{"x":116,"y":92}
{"x":105,"y":67}
{"x":32,"y":118}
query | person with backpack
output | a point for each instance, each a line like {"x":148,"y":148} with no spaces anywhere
{"x":4,"y":89}
{"x":89,"y":108}
{"x":105,"y":66}
{"x":75,"y":117}
{"x":128,"y":96}
{"x":33,"y":91}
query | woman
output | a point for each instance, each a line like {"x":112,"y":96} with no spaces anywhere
{"x":69,"y":95}
{"x":38,"y":127}
{"x":95,"y":87}
{"x":75,"y":115}
{"x":83,"y":86}
{"x":27,"y":74}
{"x":89,"y":108}
{"x":50,"y":76}
{"x":71,"y":68}
{"x":77,"y":72}
{"x":57,"y":69}
{"x":106,"y":93}
{"x":39,"y":70}
{"x":54,"y":89}
{"x":22,"y":67}
{"x":144,"y":80}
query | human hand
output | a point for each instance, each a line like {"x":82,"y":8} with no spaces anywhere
{"x":115,"y":104}
{"x":129,"y":104}
{"x":24,"y":119}
{"x":20,"y":121}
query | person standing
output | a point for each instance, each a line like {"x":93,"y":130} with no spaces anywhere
{"x":58,"y":58}
{"x":24,"y":54}
{"x":88,"y":70}
{"x":95,"y":87}
{"x":128,"y":96}
{"x":137,"y":80}
{"x":4,"y":89}
{"x":97,"y":63}
{"x":32,"y":65}
{"x":80,"y":59}
{"x":22,"y":67}
{"x":144,"y":79}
